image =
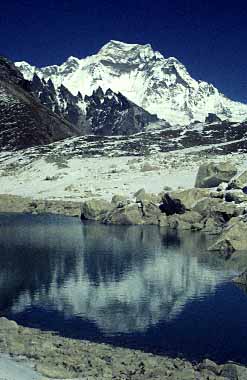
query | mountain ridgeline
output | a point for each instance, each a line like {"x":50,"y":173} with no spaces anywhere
{"x":161,"y":86}
{"x":122,"y":90}
{"x":36,"y":113}
{"x":101,"y":113}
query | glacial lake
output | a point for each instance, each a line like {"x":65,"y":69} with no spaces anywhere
{"x":141,"y":287}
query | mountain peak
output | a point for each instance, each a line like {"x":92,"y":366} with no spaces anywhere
{"x":160,"y":85}
{"x":125,"y":51}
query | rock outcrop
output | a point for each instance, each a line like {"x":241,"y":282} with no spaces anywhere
{"x":213,"y":174}
{"x":95,"y":209}
{"x":129,"y":214}
{"x":18,"y":204}
{"x":190,"y":197}
{"x":233,"y":238}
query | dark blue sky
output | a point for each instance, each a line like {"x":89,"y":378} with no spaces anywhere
{"x":208,"y":36}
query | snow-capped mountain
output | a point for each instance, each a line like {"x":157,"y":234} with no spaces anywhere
{"x":160,"y":85}
{"x":101,"y":113}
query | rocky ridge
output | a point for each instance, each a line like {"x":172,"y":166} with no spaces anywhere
{"x":101,"y":113}
{"x":160,"y":85}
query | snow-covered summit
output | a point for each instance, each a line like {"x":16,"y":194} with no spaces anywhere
{"x":160,"y":85}
{"x":128,"y":53}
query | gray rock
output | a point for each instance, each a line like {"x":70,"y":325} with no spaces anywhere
{"x":129,"y":214}
{"x":210,"y":366}
{"x":233,"y":238}
{"x":6,"y":324}
{"x":142,"y":196}
{"x":233,"y":371}
{"x":151,"y":213}
{"x":216,"y":206}
{"x":213,"y":174}
{"x":119,"y":200}
{"x":190,"y":196}
{"x":184,"y":374}
{"x":239,"y":181}
{"x":184,"y":221}
{"x":95,"y":209}
{"x":212,"y":226}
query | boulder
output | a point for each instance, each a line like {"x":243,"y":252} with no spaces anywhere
{"x":184,"y":374}
{"x":191,"y":217}
{"x":217,"y":208}
{"x":171,"y":206}
{"x":185,"y":221}
{"x":213,"y":174}
{"x":213,"y":226}
{"x":151,"y":213}
{"x":119,"y":200}
{"x":233,"y":238}
{"x":6,"y":324}
{"x":129,"y":214}
{"x":175,"y":223}
{"x":190,"y":196}
{"x":142,"y":196}
{"x":239,"y":181}
{"x":95,"y":209}
{"x":233,"y":371}
{"x":210,"y":366}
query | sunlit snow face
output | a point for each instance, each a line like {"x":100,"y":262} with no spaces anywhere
{"x":160,"y":85}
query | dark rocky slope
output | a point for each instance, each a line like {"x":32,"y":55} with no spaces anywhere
{"x":24,"y":121}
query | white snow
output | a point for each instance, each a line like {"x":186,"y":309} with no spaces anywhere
{"x":39,"y":177}
{"x":160,"y":85}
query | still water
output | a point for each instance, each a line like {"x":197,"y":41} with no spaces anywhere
{"x":140,"y":286}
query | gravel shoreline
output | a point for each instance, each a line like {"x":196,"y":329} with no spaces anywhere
{"x":57,"y":357}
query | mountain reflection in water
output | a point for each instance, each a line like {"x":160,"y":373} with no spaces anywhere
{"x":122,"y":279}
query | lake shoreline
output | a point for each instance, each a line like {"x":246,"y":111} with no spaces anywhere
{"x":54,"y":356}
{"x":18,"y":204}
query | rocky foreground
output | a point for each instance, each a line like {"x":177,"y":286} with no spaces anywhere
{"x":62,"y":358}
{"x":217,"y":206}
